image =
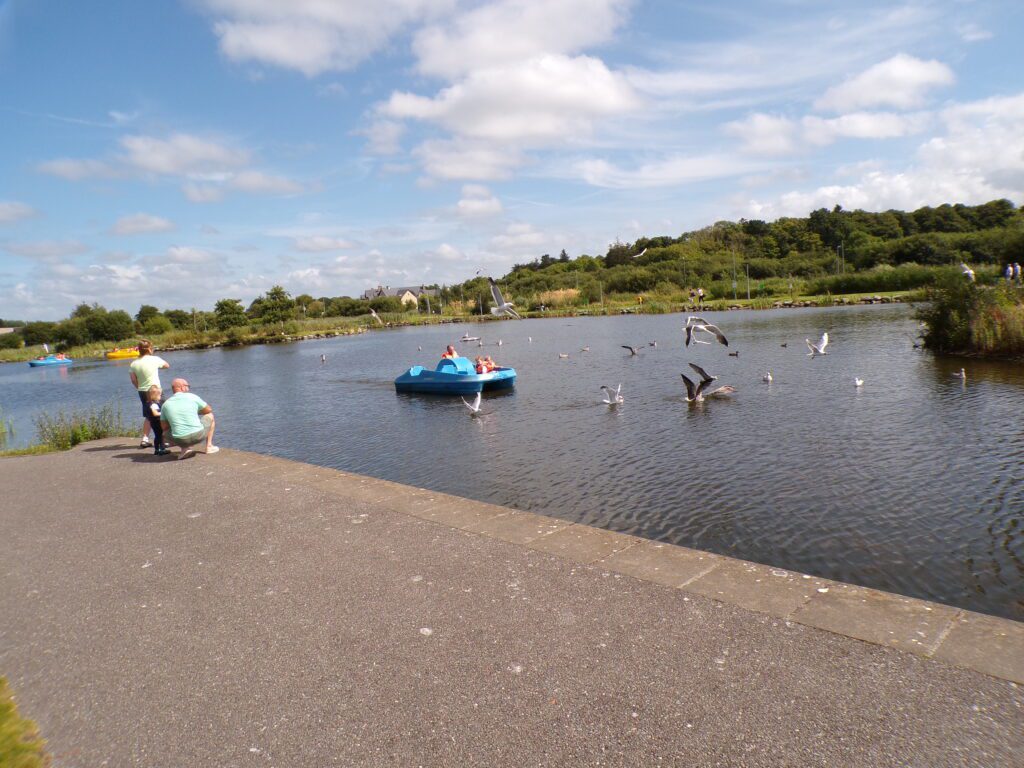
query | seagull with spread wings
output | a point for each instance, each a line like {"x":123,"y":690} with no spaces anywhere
{"x":696,"y":393}
{"x":474,"y":407}
{"x":694,"y":323}
{"x":819,"y":348}
{"x":376,"y":316}
{"x":500,"y":305}
{"x":612,"y":398}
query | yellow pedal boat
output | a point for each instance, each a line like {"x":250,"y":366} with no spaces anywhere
{"x":122,"y":354}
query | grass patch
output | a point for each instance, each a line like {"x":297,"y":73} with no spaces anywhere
{"x":67,"y":429}
{"x":964,"y":318}
{"x":20,"y":743}
{"x":32,"y":450}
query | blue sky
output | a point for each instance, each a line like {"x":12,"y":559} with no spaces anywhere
{"x":176,"y":153}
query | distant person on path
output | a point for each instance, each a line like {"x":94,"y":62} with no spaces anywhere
{"x":188,"y":420}
{"x":1009,"y":272}
{"x":1016,"y":271}
{"x":145,"y":373}
{"x":153,"y":404}
{"x":700,"y":296}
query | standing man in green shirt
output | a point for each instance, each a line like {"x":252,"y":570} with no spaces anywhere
{"x":187,"y":420}
{"x":145,"y":373}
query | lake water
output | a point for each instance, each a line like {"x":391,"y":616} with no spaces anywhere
{"x":910,"y":484}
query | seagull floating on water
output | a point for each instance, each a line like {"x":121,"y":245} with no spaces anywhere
{"x":612,"y":398}
{"x":858,"y":382}
{"x":563,"y":355}
{"x":474,"y":407}
{"x":652,"y":343}
{"x":961,"y":374}
{"x":819,"y":348}
{"x":585,"y":349}
{"x":500,"y":305}
{"x":767,"y":378}
{"x":323,"y":358}
{"x":694,"y":323}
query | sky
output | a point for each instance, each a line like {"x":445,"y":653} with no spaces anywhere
{"x":175,"y":153}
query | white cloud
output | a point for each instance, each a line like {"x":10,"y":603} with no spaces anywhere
{"x":312,"y":36}
{"x":182,"y":154}
{"x":477,"y":201}
{"x":12,"y":211}
{"x":972,"y":33}
{"x":664,"y":172}
{"x":979,"y":157}
{"x":518,"y":238}
{"x":184,"y":254}
{"x":511,"y":31}
{"x":544,"y":99}
{"x":76,"y":170}
{"x":46,"y":250}
{"x":467,"y":160}
{"x":771,"y":135}
{"x":202,"y":193}
{"x":257,"y":182}
{"x":140,"y":223}
{"x":901,"y":82}
{"x":321,"y":243}
{"x":385,"y":137}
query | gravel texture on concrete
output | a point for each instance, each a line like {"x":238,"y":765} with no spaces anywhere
{"x":232,"y":611}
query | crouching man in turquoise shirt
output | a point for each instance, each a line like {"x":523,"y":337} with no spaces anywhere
{"x":188,"y":420}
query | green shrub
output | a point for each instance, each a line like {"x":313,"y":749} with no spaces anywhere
{"x":20,"y":743}
{"x":65,"y":430}
{"x":10,"y":341}
{"x":157,"y":325}
{"x":962,"y":317}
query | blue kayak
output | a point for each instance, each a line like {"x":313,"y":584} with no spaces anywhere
{"x":454,"y":376}
{"x":50,"y":360}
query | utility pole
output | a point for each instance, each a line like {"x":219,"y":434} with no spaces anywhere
{"x":195,"y":325}
{"x":734,"y":275}
{"x":748,"y":282}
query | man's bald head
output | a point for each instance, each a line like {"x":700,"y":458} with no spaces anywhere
{"x":179,"y":385}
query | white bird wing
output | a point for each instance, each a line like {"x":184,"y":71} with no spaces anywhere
{"x":823,"y":343}
{"x":718,"y":333}
{"x":811,"y":347}
{"x":376,"y":316}
{"x":496,"y":293}
{"x":512,"y":312}
{"x":475,"y":407}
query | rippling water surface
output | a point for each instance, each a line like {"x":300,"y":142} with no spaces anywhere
{"x":910,"y":484}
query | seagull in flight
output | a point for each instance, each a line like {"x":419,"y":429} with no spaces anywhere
{"x":967,"y":271}
{"x":612,"y":398}
{"x":500,"y":305}
{"x":376,"y":316}
{"x":694,"y":323}
{"x":474,"y":407}
{"x":633,"y":351}
{"x":819,"y":348}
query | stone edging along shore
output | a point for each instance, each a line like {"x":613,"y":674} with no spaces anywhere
{"x":987,"y":644}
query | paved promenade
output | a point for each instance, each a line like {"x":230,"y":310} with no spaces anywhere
{"x":240,"y":610}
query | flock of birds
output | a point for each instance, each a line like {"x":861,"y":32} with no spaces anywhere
{"x":697,"y":331}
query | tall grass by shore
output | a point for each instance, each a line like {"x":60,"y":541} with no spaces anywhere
{"x":20,"y":743}
{"x":964,"y":318}
{"x":66,"y":429}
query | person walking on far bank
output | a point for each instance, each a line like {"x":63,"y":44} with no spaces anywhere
{"x":1008,"y":273}
{"x":145,"y":373}
{"x":700,"y":297}
{"x":1016,"y":271}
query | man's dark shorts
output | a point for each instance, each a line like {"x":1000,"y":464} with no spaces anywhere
{"x":144,"y":397}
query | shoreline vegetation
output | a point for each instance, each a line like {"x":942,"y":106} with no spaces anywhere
{"x":66,"y":429}
{"x":20,"y":743}
{"x":962,"y":318}
{"x":829,"y":257}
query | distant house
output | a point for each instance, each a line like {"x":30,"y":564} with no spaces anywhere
{"x":407,"y":294}
{"x":6,"y":330}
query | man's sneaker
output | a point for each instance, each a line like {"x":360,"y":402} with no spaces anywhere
{"x":145,"y":443}
{"x":212,"y":449}
{"x":186,"y":453}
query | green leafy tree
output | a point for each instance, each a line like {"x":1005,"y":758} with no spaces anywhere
{"x":10,"y":341}
{"x":315,"y":308}
{"x":146,"y":313}
{"x":84,"y":310}
{"x":39,"y":332}
{"x":618,"y":254}
{"x":72,"y":332}
{"x":179,"y":318}
{"x":278,"y":306}
{"x":230,"y":314}
{"x":157,"y":325}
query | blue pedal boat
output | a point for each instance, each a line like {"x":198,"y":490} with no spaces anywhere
{"x":454,"y":376}
{"x":50,"y":360}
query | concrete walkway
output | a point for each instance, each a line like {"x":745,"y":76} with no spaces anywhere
{"x":239,"y":610}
